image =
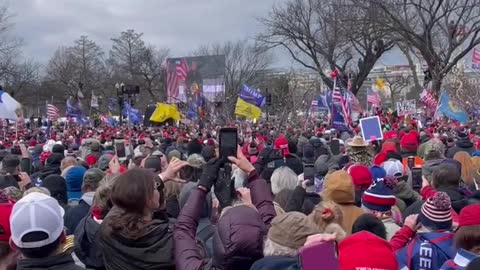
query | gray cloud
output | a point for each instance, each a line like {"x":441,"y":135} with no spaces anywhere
{"x":181,"y":25}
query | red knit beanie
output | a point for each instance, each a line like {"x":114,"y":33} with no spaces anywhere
{"x":361,"y":176}
{"x":470,"y":215}
{"x":409,"y":142}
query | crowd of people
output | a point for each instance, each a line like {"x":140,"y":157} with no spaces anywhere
{"x":295,"y":198}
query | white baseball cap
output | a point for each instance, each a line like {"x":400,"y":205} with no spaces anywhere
{"x":393,"y":167}
{"x":36,"y":212}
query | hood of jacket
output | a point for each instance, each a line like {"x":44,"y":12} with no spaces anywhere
{"x":152,"y":250}
{"x":241,"y":232}
{"x":338,"y":187}
{"x":458,"y":199}
{"x":464,"y":143}
{"x":87,"y":249}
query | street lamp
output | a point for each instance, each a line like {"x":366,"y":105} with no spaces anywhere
{"x":120,"y":90}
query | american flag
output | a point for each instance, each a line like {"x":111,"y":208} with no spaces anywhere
{"x":340,"y":96}
{"x":52,"y":112}
{"x":176,"y":72}
{"x":427,"y":98}
{"x":476,"y":58}
{"x":373,"y":97}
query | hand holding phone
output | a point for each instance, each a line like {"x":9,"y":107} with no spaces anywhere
{"x":228,"y":142}
{"x":120,"y":150}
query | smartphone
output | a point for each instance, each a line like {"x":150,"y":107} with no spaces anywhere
{"x":335,"y":147}
{"x":228,"y":142}
{"x":416,"y":178}
{"x":120,"y":150}
{"x":325,"y":252}
{"x":411,"y":162}
{"x":309,"y":174}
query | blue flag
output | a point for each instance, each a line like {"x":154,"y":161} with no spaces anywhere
{"x":112,"y":104}
{"x":252,"y":96}
{"x":73,"y":108}
{"x":449,"y":109}
{"x":132,"y":114}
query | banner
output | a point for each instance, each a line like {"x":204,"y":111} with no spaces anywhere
{"x":9,"y":107}
{"x":252,"y":96}
{"x":247,"y":110}
{"x":406,"y":107}
{"x":337,"y":119}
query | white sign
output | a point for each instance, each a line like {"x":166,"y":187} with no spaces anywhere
{"x":406,"y":107}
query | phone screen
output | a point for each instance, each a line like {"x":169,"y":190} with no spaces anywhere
{"x":228,"y":142}
{"x":120,"y":150}
{"x":309,"y":174}
{"x":416,"y":178}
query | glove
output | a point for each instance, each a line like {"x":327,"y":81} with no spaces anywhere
{"x":225,"y":188}
{"x":210,"y":173}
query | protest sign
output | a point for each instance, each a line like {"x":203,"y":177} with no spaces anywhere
{"x":371,"y":129}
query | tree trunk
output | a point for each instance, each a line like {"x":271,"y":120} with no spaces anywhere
{"x":436,"y":85}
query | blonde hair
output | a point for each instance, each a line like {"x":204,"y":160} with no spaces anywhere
{"x":327,"y":216}
{"x":467,"y":166}
{"x":172,"y":189}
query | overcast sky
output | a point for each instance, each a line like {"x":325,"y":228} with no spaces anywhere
{"x":181,"y":25}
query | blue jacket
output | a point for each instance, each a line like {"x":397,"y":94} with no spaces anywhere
{"x":460,"y":262}
{"x":427,"y":251}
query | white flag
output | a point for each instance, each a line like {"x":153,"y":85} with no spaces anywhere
{"x":9,"y":107}
{"x":94,"y":102}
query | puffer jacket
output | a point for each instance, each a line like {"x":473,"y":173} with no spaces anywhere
{"x":152,"y":250}
{"x":463,"y":144}
{"x":240,"y":231}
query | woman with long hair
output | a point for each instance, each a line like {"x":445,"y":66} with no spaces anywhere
{"x":132,"y":237}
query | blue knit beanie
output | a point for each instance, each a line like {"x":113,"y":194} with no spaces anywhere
{"x":74,"y":180}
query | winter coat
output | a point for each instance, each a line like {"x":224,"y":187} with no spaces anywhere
{"x":75,"y":214}
{"x":460,"y":261}
{"x":363,"y":157}
{"x":276,"y":263}
{"x":463,"y":144}
{"x":152,"y":250}
{"x":87,"y":248}
{"x":404,"y":192}
{"x":427,"y":251}
{"x":342,"y":192}
{"x":457,"y":196}
{"x":63,"y":261}
{"x":233,"y":250}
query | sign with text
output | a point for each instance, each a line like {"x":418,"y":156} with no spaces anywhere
{"x":406,"y":107}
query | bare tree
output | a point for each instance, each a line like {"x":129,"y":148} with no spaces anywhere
{"x":152,"y":71}
{"x":326,"y":34}
{"x":441,"y":31}
{"x":62,"y":71}
{"x":89,"y":64}
{"x":244,"y":63}
{"x":127,"y":53}
{"x":397,"y":84}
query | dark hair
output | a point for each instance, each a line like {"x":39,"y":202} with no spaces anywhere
{"x":131,"y":192}
{"x":40,"y":252}
{"x":446,"y":175}
{"x":370,"y":223}
{"x":4,"y":249}
{"x":468,"y":237}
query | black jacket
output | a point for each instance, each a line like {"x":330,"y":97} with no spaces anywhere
{"x":153,"y":250}
{"x":463,"y":144}
{"x":62,"y":261}
{"x":87,"y":248}
{"x":74,"y":215}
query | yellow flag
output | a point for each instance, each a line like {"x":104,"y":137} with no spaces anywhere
{"x":248,"y":110}
{"x":380,"y":84}
{"x":164,"y":112}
